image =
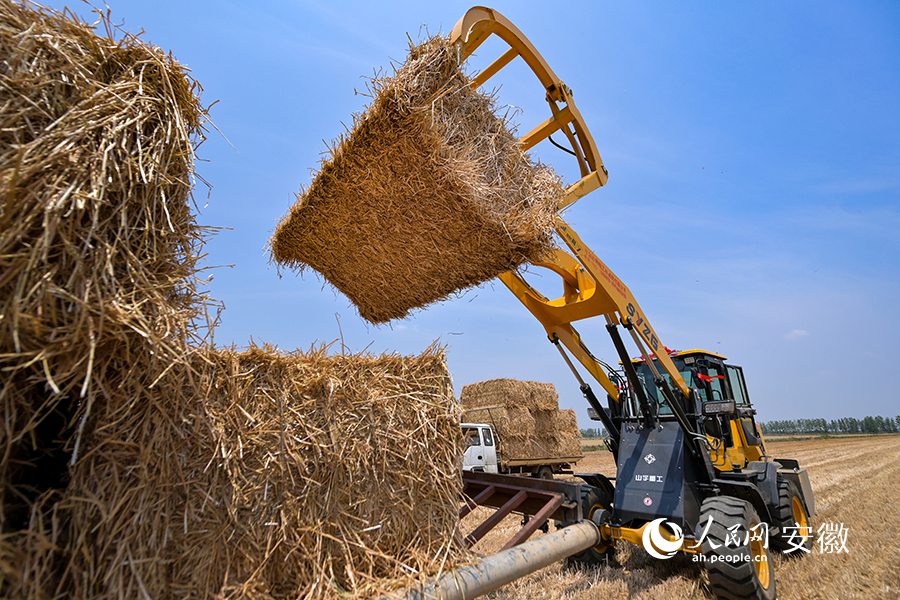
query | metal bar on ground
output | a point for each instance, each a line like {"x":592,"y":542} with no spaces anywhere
{"x":476,"y":501}
{"x":494,"y":571}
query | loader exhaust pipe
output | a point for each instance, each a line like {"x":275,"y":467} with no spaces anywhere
{"x":494,"y":571}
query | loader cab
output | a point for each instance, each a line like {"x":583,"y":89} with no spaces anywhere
{"x":721,"y":407}
{"x":656,"y":476}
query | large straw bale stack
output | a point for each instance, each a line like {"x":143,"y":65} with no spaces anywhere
{"x":300,"y":475}
{"x":98,"y":250}
{"x":526,"y":416}
{"x":429,"y":193}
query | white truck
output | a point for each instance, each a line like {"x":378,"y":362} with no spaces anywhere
{"x":484,"y":453}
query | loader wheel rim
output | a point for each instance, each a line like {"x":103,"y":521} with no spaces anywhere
{"x":760,"y":559}
{"x":800,"y":518}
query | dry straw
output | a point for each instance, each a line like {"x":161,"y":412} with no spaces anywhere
{"x":98,"y":250}
{"x":297,"y":476}
{"x":135,"y":461}
{"x":429,"y":193}
{"x":526,"y":416}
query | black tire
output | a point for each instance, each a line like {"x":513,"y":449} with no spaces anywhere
{"x":592,"y":500}
{"x":544,"y":472}
{"x":731,"y":575}
{"x":789,"y":523}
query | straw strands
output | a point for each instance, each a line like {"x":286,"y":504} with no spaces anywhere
{"x":429,"y":193}
{"x":98,"y":250}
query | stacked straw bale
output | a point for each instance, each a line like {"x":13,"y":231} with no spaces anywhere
{"x":526,"y":417}
{"x":429,"y":193}
{"x":134,"y":460}
{"x":299,"y":476}
{"x":98,"y":250}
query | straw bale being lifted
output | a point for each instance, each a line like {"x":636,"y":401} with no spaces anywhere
{"x":271,"y":475}
{"x":526,"y":417}
{"x":428,"y":193}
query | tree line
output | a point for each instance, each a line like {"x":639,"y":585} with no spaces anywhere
{"x":868,"y":424}
{"x":593,"y":432}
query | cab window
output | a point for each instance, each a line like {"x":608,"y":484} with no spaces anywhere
{"x":654,"y":393}
{"x":718,"y":390}
{"x":472,"y":438}
{"x":488,"y":438}
{"x":736,"y":379}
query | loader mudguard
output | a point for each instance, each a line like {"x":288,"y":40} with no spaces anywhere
{"x":748,"y":492}
{"x":800,"y":477}
{"x":766,"y":480}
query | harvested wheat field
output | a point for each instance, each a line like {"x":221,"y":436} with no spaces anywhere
{"x":427,"y":194}
{"x":857,"y":483}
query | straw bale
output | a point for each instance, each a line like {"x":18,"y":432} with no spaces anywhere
{"x":28,"y":557}
{"x":513,"y":393}
{"x":427,"y":194}
{"x":134,"y":460}
{"x":568,"y":434}
{"x":299,"y":475}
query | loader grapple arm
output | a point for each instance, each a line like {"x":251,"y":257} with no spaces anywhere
{"x":476,"y":26}
{"x":590,"y":288}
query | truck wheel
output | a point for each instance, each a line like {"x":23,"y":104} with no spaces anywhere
{"x":742,"y":570}
{"x":593,"y":500}
{"x":544,"y":472}
{"x":792,"y":519}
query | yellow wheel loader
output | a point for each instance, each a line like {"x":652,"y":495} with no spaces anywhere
{"x":693,"y":474}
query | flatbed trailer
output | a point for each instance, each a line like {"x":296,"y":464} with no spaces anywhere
{"x":559,"y":464}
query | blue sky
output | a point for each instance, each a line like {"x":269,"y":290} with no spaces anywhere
{"x":753,"y":205}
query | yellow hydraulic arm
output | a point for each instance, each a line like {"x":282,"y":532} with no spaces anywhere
{"x":590,"y":288}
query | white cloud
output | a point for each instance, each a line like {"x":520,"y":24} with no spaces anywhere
{"x":796,"y":334}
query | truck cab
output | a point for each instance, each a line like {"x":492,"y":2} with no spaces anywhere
{"x":481,"y":448}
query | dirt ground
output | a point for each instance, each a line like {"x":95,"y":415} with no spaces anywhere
{"x":857,"y":484}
